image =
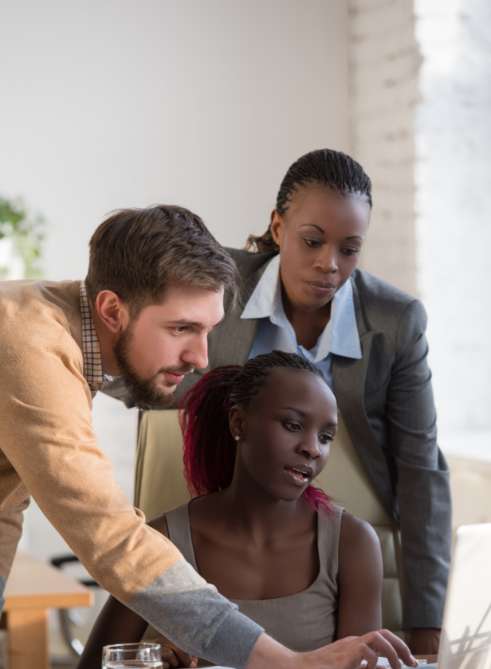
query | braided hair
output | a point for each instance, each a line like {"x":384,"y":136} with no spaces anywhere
{"x":209,"y":448}
{"x":323,"y":167}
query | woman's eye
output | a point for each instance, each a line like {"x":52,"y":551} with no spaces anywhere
{"x":326,"y":438}
{"x":313,"y":243}
{"x":350,"y":252}
{"x":292,"y":427}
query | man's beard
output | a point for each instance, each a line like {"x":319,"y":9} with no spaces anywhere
{"x":144,"y":391}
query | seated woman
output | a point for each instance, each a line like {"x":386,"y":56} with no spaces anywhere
{"x":256,"y":437}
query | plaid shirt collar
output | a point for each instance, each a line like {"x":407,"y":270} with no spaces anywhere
{"x":91,"y":349}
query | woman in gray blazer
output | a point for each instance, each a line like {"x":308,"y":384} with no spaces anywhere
{"x":300,"y":292}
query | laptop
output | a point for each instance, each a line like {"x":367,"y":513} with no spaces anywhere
{"x":466,"y":631}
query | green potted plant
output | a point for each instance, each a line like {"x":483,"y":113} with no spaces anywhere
{"x":21,"y":239}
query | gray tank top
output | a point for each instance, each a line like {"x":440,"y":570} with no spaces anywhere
{"x":301,"y":622}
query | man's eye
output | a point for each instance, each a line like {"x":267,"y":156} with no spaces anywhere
{"x":180,"y":329}
{"x":292,"y":427}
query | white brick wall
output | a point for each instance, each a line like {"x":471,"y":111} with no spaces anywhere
{"x":384,"y":64}
{"x":423,"y":134}
{"x":453,"y":175}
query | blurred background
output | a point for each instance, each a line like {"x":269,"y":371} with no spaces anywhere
{"x":206,"y":103}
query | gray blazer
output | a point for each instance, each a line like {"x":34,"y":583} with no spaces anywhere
{"x":387,"y":405}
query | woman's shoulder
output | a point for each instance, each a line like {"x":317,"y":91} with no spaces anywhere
{"x":370,"y":286}
{"x":160,"y":524}
{"x":350,"y":527}
{"x":177,"y":514}
{"x":380,"y":301}
{"x":358,"y":538}
{"x":248,"y":262}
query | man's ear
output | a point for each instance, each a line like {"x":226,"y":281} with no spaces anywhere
{"x":112,"y":311}
{"x":277,"y":226}
{"x":238,"y":423}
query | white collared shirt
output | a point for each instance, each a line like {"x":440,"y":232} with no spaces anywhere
{"x":340,"y":336}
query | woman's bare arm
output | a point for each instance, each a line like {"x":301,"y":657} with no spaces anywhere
{"x":360,"y":577}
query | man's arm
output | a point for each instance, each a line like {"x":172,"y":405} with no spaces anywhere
{"x":347,"y":653}
{"x":48,"y":438}
{"x":422,"y":487}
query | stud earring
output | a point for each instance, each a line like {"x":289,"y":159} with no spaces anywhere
{"x":237,"y":438}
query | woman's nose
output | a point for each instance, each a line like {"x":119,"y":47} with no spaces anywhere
{"x":327,"y":260}
{"x":310,"y":447}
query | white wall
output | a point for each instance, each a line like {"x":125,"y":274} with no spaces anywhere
{"x":203,"y":103}
{"x":453,"y":175}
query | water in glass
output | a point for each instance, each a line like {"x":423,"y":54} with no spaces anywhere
{"x":126,"y":655}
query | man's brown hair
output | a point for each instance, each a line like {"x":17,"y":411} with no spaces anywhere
{"x":140,"y":253}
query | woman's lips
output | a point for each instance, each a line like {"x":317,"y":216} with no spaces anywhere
{"x":298,"y":477}
{"x":322,"y":288}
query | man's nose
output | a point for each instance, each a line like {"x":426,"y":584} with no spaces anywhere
{"x":197,"y":353}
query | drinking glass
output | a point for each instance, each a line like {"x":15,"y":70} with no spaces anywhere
{"x":125,"y":655}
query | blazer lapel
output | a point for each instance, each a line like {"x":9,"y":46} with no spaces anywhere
{"x":250,"y":276}
{"x":231,"y":342}
{"x":349,"y":383}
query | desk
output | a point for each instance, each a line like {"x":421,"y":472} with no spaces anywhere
{"x":32,"y":589}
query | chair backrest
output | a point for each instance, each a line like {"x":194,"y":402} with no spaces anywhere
{"x":159,"y":471}
{"x":160,"y":486}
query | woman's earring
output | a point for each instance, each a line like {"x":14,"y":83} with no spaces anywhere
{"x":237,"y":438}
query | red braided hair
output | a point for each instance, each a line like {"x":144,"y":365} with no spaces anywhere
{"x":209,"y":449}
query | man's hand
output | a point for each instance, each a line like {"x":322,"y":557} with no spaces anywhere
{"x":424,"y":641}
{"x":346,"y":653}
{"x":172,"y":656}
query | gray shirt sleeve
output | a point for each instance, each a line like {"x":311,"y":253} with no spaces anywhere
{"x":191,"y":613}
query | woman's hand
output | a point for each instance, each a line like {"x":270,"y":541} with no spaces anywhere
{"x":350,"y":652}
{"x":172,"y":656}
